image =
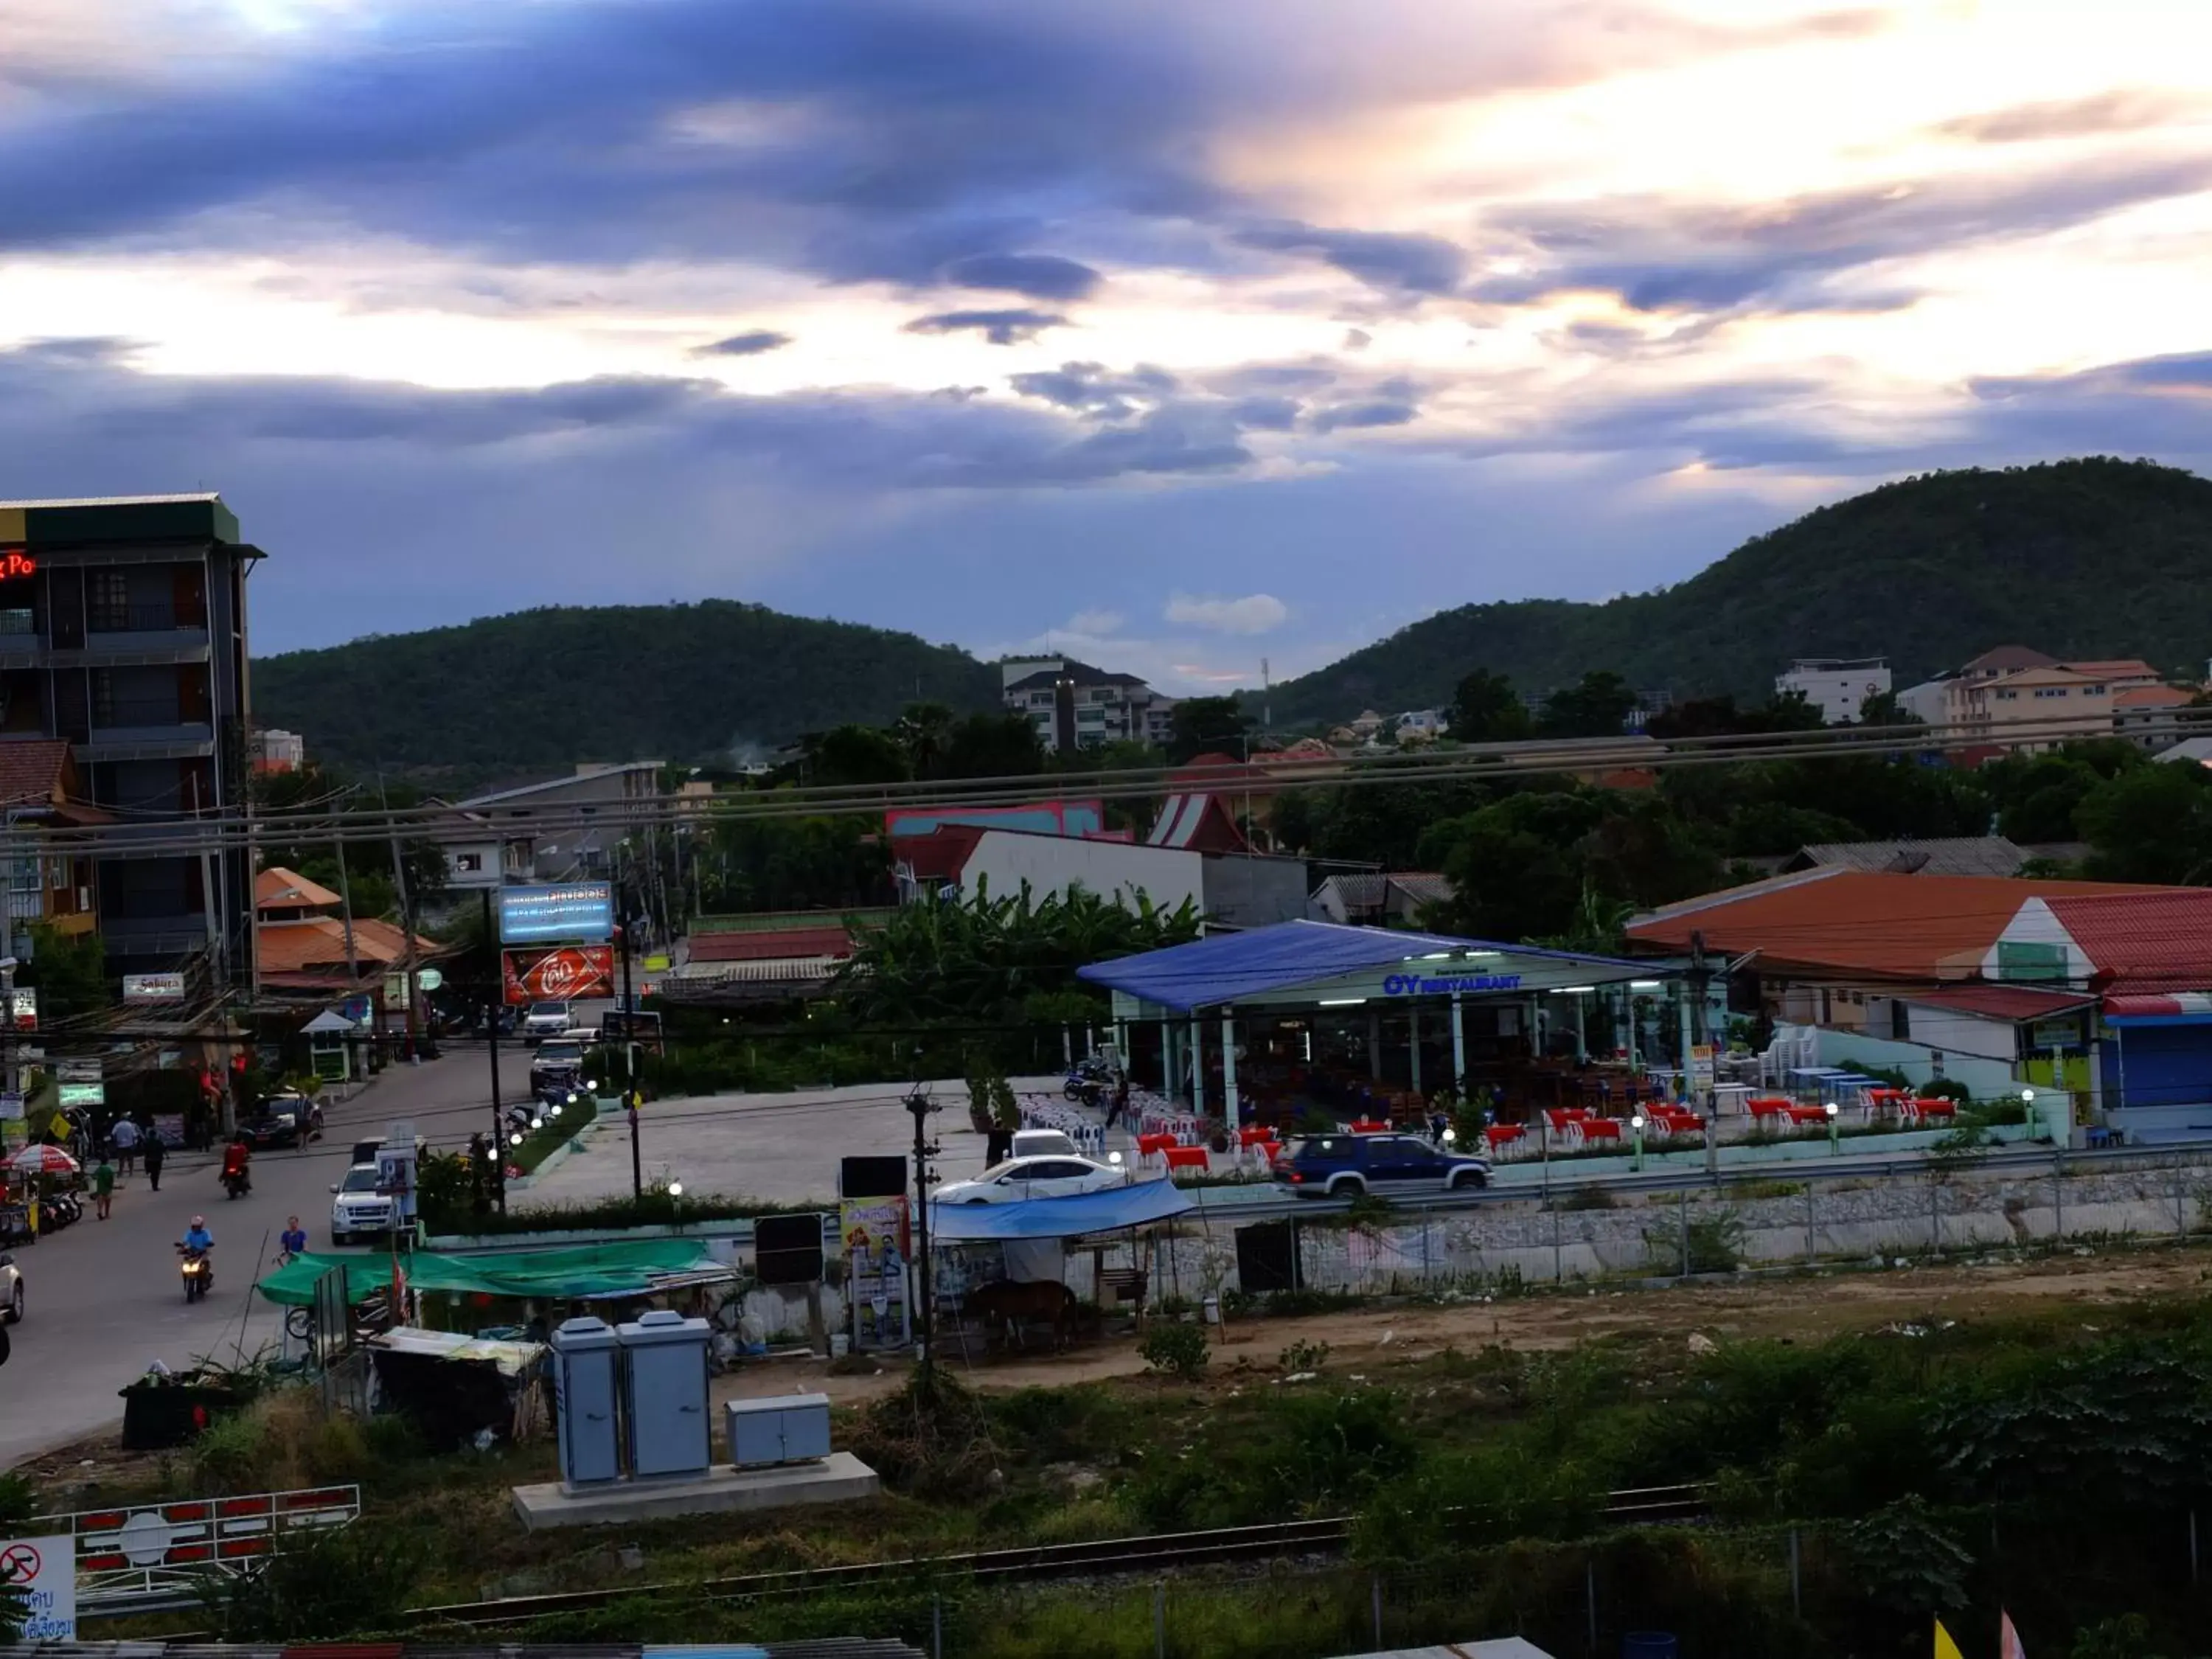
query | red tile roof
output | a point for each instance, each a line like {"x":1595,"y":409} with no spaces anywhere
{"x":2011,"y":1002}
{"x":1860,"y":923}
{"x":2151,"y":696}
{"x":34,"y":770}
{"x":291,"y":947}
{"x":772,"y":945}
{"x":2143,"y":940}
{"x":2113,"y":668}
{"x":941,"y":854}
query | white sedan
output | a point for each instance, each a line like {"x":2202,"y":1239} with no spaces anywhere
{"x":1018,"y":1178}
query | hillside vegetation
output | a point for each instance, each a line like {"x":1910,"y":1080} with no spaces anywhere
{"x":2087,"y":558}
{"x":509,"y":696}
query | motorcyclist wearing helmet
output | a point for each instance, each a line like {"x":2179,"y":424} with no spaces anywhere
{"x":198,"y":1237}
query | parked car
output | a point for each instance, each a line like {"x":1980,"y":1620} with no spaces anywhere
{"x":1018,"y":1178}
{"x":547,"y":1019}
{"x":1344,"y":1166}
{"x":557,"y":1060}
{"x":11,"y":1291}
{"x":358,"y":1210}
{"x":1041,"y":1143}
{"x":284,"y":1119}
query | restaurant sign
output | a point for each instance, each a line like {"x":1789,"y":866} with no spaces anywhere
{"x":1421,"y":985}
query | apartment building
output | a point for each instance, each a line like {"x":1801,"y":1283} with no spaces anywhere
{"x":1074,"y":706}
{"x":1837,"y":686}
{"x":123,"y":633}
{"x":564,"y":829}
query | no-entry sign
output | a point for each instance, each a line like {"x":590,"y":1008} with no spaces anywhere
{"x":44,"y":1570}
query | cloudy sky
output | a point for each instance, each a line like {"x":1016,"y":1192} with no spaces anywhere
{"x":1183,"y":335}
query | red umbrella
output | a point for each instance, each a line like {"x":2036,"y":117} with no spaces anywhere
{"x":44,"y":1160}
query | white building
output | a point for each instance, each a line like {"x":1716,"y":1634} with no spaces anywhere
{"x":1837,"y":686}
{"x":1075,"y":706}
{"x":546,"y":829}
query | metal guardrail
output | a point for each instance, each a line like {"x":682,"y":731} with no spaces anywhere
{"x":133,"y":1555}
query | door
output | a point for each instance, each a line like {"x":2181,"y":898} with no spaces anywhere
{"x":1398,"y":1159}
{"x":1059,"y":1177}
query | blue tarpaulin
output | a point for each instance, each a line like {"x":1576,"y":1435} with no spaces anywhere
{"x":1135,"y":1205}
{"x":1231,"y":966}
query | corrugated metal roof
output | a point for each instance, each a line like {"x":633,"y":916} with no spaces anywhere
{"x":1960,"y":856}
{"x":1860,"y":922}
{"x":1282,"y":958}
{"x":766,"y":946}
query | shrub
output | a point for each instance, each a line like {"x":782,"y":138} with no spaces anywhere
{"x":318,"y":1583}
{"x":1716,"y":1242}
{"x":1175,"y":1349}
{"x":1589,"y":1198}
{"x":1304,"y":1356}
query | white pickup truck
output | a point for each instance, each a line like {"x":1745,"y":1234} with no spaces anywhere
{"x":547,"y":1019}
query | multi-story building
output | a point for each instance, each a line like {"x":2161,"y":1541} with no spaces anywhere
{"x":123,"y":633}
{"x":2057,"y":705}
{"x":1837,"y":686}
{"x":567,"y":828}
{"x":1075,"y":706}
{"x":277,"y":750}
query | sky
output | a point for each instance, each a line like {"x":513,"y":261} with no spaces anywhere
{"x":1182,"y":337}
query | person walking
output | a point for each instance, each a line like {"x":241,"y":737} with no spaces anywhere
{"x":124,"y":1137}
{"x":156,"y":1151}
{"x":103,"y":1188}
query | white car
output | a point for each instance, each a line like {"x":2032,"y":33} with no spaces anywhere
{"x":11,"y":1291}
{"x":357,"y":1208}
{"x":1018,"y":1178}
{"x":547,"y":1019}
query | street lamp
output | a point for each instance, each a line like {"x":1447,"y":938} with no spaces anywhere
{"x":1835,"y":1129}
{"x":1637,"y":1124}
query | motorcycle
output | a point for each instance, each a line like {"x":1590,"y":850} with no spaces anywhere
{"x":198,"y":1272}
{"x":238,"y":1183}
{"x":1088,"y":1082}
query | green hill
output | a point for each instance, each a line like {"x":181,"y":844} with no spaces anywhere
{"x":2081,"y":558}
{"x":507,"y":697}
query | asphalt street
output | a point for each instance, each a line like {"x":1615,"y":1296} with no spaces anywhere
{"x":105,"y":1299}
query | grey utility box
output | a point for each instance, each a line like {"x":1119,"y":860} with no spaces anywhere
{"x":584,"y":1402}
{"x":664,"y":1395}
{"x":791,"y":1428}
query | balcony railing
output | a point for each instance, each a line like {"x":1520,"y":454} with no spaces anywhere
{"x":133,"y":714}
{"x":144,"y":618}
{"x":18,"y":620}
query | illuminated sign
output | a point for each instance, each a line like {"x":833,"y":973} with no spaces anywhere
{"x":16,"y":562}
{"x":560,"y":974}
{"x":1417,"y":985}
{"x":576,"y":913}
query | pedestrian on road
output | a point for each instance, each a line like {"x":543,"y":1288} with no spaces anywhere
{"x":293,"y":1240}
{"x":156,"y":1151}
{"x":124,"y":1138}
{"x":103,"y":1188}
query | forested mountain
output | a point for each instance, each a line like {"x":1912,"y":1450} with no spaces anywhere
{"x":2084,"y":558}
{"x":511,"y":696}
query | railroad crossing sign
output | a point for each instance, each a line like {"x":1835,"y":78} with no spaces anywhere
{"x":44,"y":1570}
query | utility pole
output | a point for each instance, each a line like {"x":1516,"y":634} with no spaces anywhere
{"x":406,"y":916}
{"x":630,"y":1091}
{"x":918,"y":1103}
{"x":492,"y":1010}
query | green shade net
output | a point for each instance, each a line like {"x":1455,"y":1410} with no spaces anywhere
{"x":610,"y":1269}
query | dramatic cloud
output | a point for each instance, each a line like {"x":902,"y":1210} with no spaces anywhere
{"x":1255,"y":613}
{"x":1040,"y":276}
{"x":998,"y":327}
{"x":1399,"y":264}
{"x":750,"y":344}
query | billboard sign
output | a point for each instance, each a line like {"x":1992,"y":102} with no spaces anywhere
{"x":572,"y":913}
{"x":560,"y":974}
{"x":153,"y":987}
{"x":83,"y":1094}
{"x":26,"y":1008}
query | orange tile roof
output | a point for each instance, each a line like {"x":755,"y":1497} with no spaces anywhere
{"x":1866,"y":923}
{"x":2113,"y":668}
{"x":278,"y":888}
{"x":33,"y":771}
{"x":2150,"y":697}
{"x":291,"y":947}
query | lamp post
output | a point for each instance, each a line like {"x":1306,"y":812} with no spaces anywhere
{"x":1637,"y":1124}
{"x":2028,"y":1108}
{"x":1835,"y":1129}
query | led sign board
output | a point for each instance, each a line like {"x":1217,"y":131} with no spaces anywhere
{"x":572,"y":913}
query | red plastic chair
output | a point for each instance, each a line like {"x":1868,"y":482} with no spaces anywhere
{"x":1186,"y":1158}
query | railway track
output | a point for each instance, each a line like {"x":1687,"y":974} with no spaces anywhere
{"x":1104,"y":1557}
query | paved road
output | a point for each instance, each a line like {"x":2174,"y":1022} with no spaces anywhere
{"x":105,"y":1299}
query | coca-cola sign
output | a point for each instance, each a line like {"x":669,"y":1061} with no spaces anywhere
{"x":560,"y":974}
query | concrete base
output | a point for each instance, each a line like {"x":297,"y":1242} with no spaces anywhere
{"x":838,"y":1479}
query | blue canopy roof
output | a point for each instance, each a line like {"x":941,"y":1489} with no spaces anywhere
{"x":1228,"y":967}
{"x":1135,"y":1205}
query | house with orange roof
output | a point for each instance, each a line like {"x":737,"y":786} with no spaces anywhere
{"x":307,"y":944}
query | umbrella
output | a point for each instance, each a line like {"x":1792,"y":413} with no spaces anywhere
{"x":43,"y":1160}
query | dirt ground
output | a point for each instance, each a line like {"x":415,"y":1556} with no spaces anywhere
{"x":1808,"y":1306}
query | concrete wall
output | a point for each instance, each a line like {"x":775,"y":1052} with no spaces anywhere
{"x":1907,"y":1219}
{"x":1986,"y":1078}
{"x":1952,"y":1032}
{"x":1111,"y":869}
